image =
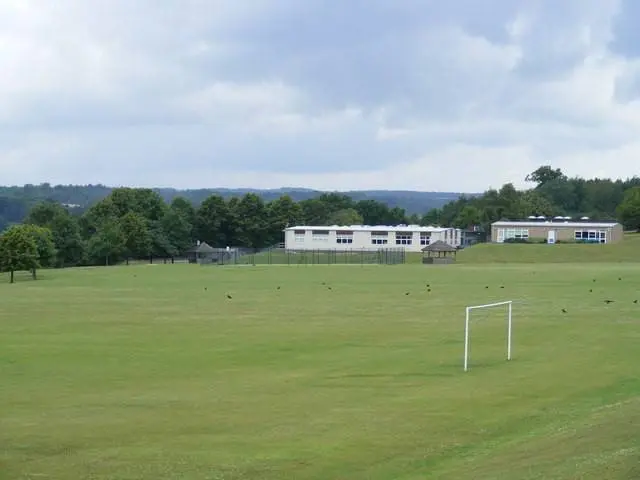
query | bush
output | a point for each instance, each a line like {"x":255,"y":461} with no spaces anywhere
{"x":516,"y":240}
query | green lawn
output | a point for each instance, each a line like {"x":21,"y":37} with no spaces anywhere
{"x":626,"y":251}
{"x":150,"y":372}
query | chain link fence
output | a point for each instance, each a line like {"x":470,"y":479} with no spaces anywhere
{"x":280,"y":256}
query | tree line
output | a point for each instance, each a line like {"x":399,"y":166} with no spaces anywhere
{"x":139,"y":223}
{"x":132,"y":223}
{"x":16,"y":201}
{"x":553,"y":194}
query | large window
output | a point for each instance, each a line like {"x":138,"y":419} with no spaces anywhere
{"x":512,"y":233}
{"x":343,"y":237}
{"x":425,"y":238}
{"x":320,"y":235}
{"x":379,"y":238}
{"x":404,"y":238}
{"x":299,"y":235}
{"x":591,"y":236}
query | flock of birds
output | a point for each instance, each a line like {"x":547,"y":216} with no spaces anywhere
{"x":606,"y":301}
{"x":428,"y":286}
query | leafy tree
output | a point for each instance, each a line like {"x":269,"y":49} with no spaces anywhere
{"x":108,"y":244}
{"x":18,"y":251}
{"x":346,"y":216}
{"x":253,"y":224}
{"x":629,"y":209}
{"x":177,"y":231}
{"x":137,"y":238}
{"x":282,"y":213}
{"x":213,"y":220}
{"x":46,"y":250}
{"x":65,"y":231}
{"x":545,"y":174}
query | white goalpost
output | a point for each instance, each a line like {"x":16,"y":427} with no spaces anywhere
{"x":466,"y":328}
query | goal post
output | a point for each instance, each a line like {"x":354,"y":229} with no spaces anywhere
{"x":509,"y":304}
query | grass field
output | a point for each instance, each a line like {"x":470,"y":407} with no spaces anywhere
{"x":152,"y":372}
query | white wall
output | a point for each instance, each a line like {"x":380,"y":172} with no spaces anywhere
{"x":362,"y":240}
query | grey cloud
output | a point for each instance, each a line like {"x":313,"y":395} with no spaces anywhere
{"x":134,"y":86}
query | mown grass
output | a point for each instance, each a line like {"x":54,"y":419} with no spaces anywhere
{"x":152,"y":372}
{"x":626,"y":251}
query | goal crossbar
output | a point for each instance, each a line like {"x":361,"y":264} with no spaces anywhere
{"x":468,"y":310}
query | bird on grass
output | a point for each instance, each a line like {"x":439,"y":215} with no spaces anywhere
{"x":501,"y":286}
{"x":229,"y":296}
{"x":619,"y":278}
{"x":591,"y":290}
{"x":428,"y":289}
{"x":564,"y":310}
{"x":406,"y":293}
{"x":205,"y":289}
{"x":428,"y":285}
{"x":278,"y":287}
{"x":608,"y":301}
{"x":635,"y":301}
{"x":486,"y":286}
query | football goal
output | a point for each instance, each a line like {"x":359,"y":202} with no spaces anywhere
{"x":471,"y":308}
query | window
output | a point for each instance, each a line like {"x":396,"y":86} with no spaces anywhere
{"x":404,"y":238}
{"x":379,"y":238}
{"x":320,"y":235}
{"x":299,"y":235}
{"x":344,"y":237}
{"x":425,"y":238}
{"x":591,"y":236}
{"x":518,"y":233}
{"x":512,"y":233}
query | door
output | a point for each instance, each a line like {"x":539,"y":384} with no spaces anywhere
{"x":551,"y":236}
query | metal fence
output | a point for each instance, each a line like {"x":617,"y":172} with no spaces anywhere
{"x":280,"y":256}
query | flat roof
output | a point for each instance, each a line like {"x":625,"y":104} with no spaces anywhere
{"x":558,"y":223}
{"x":371,"y":228}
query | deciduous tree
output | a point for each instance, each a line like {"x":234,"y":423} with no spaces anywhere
{"x":18,"y":251}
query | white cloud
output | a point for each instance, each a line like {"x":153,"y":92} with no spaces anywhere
{"x":279,"y":92}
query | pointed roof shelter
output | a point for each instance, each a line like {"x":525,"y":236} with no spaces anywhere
{"x":201,"y":253}
{"x":439,"y":252}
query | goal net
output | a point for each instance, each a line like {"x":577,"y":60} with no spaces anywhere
{"x":504,"y":306}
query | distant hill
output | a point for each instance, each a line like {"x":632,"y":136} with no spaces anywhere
{"x":15,"y":201}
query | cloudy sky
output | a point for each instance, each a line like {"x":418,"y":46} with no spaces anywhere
{"x":454,"y":95}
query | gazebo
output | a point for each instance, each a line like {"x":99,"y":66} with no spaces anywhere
{"x":202,"y":253}
{"x":439,"y":252}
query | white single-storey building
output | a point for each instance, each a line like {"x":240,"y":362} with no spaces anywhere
{"x":411,"y":238}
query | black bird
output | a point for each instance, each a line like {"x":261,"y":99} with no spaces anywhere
{"x":329,"y":288}
{"x":428,"y":285}
{"x":278,"y":287}
{"x":619,"y":278}
{"x":594,"y":280}
{"x":608,"y":301}
{"x":564,"y":311}
{"x":428,"y":289}
{"x":591,"y":290}
{"x":501,"y":286}
{"x":205,"y":289}
{"x":407,"y":293}
{"x":635,"y":301}
{"x":229,"y":296}
{"x":486,"y":286}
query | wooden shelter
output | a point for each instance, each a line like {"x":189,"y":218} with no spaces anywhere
{"x":439,"y":252}
{"x":202,"y":253}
